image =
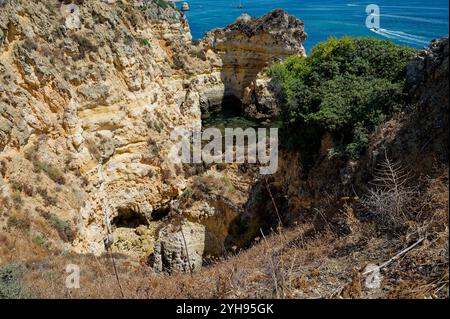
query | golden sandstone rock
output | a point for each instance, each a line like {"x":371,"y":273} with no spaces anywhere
{"x":89,"y":94}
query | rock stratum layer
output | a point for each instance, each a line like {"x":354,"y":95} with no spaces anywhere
{"x":88,"y":97}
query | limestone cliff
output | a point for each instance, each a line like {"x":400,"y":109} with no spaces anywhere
{"x":89,"y":93}
{"x":88,"y":98}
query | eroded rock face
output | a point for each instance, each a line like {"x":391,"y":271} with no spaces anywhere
{"x":261,"y":99}
{"x":246,"y":48}
{"x":105,"y":95}
{"x":89,"y":93}
{"x":180,"y":248}
{"x":421,"y":134}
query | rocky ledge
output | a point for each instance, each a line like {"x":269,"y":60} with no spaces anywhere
{"x":246,"y":48}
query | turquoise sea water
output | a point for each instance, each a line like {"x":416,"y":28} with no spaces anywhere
{"x":412,"y":22}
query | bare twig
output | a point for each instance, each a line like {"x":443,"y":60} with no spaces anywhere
{"x":330,"y":229}
{"x":116,"y":273}
{"x":272,"y":266}
{"x":442,"y":287}
{"x":105,"y":207}
{"x":401,"y":253}
{"x":11,"y":256}
{"x":273,"y":202}
{"x":187,"y":251}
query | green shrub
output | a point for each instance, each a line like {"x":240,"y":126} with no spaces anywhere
{"x":16,"y":186}
{"x":345,"y":87}
{"x":19,"y":223}
{"x":17,"y":198}
{"x":40,"y":241}
{"x":162,"y":3}
{"x":48,"y":199}
{"x":147,"y":43}
{"x":85,"y":46}
{"x":56,"y":174}
{"x":11,"y":283}
{"x":64,"y":229}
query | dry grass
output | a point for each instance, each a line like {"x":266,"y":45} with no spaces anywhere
{"x":391,"y":200}
{"x":300,"y":264}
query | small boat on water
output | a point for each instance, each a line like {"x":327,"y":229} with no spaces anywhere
{"x":185,"y":6}
{"x":240,"y":6}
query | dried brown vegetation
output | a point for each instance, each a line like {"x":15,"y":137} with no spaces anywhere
{"x":291,"y":267}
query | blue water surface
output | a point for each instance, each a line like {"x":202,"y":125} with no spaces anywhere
{"x":412,"y":22}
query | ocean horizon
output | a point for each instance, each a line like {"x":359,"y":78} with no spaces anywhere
{"x":414,"y":23}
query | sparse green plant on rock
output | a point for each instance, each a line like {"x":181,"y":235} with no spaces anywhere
{"x":19,"y":222}
{"x":40,"y":241}
{"x":63,"y":227}
{"x":162,"y":3}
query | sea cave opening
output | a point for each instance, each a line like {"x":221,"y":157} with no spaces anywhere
{"x":128,"y":218}
{"x":160,"y":213}
{"x":229,"y":114}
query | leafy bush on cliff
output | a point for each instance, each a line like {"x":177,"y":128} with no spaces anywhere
{"x":63,"y":227}
{"x":11,"y":285}
{"x":345,"y":87}
{"x":162,"y":3}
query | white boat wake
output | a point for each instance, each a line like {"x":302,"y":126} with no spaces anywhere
{"x":401,"y":36}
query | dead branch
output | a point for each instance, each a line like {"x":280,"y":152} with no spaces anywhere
{"x":187,"y":252}
{"x":401,"y":253}
{"x":273,"y":202}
